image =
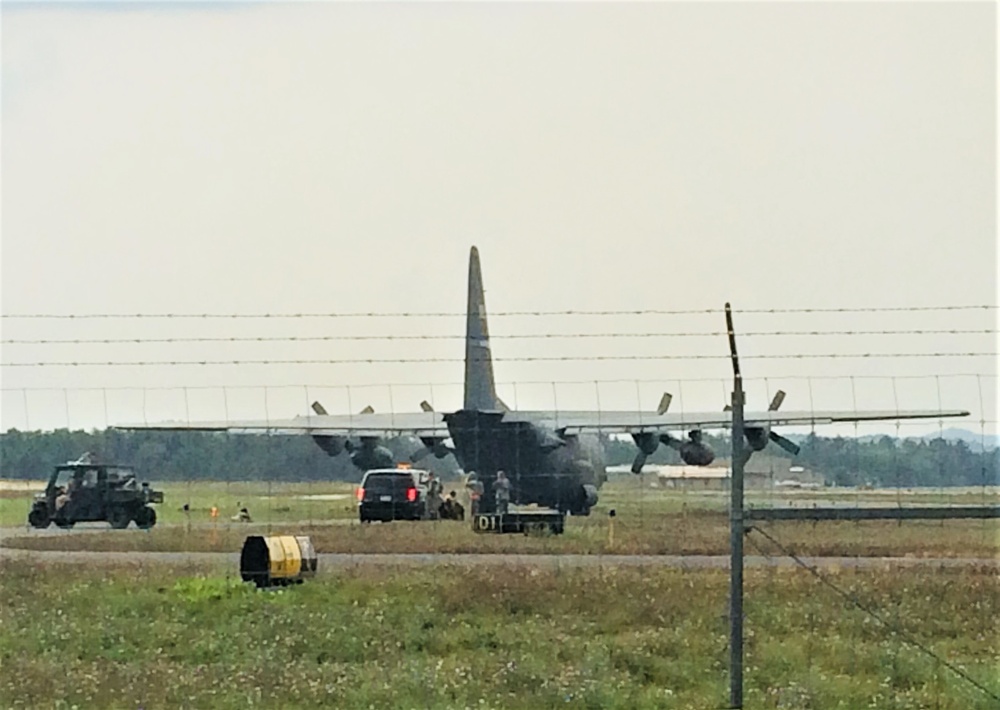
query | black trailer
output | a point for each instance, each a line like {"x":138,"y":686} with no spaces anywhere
{"x":523,"y":521}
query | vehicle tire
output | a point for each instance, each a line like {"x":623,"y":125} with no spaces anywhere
{"x":64,"y":524}
{"x":39,"y":518}
{"x":145,"y":518}
{"x":119,"y":518}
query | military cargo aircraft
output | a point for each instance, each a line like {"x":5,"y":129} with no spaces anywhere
{"x":552,"y":458}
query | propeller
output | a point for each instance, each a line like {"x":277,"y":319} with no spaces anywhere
{"x":664,"y":404}
{"x":431,"y":444}
{"x":365,"y":453}
{"x":648,"y":443}
{"x":758,"y":437}
{"x":331,"y":445}
{"x":692,"y":451}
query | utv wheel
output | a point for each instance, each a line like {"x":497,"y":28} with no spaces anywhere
{"x":119,"y":519}
{"x":145,"y":518}
{"x":39,"y":519}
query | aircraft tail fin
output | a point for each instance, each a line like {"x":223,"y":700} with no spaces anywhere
{"x":480,"y":389}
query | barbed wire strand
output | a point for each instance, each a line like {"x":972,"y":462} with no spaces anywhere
{"x":501,"y":314}
{"x":511,"y":383}
{"x":895,"y":628}
{"x":529,"y":358}
{"x":511,"y":336}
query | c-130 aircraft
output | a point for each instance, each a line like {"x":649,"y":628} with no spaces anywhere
{"x":552,"y":458}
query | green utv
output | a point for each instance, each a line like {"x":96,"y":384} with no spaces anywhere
{"x":84,"y":491}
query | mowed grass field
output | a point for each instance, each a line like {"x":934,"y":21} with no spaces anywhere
{"x":148,"y":636}
{"x":267,"y":502}
{"x":647,"y":521}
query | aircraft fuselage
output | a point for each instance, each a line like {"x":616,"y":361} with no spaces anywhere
{"x":543,"y":468}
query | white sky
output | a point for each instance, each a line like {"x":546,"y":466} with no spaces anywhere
{"x":344,"y":157}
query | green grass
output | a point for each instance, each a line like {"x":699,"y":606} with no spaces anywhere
{"x":633,"y":497}
{"x":516,"y":637}
{"x":267,"y":502}
{"x":648,"y":521}
{"x":692,"y":534}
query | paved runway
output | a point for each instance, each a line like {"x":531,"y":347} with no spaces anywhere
{"x":328,"y":561}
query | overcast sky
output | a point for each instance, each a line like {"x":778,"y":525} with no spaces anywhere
{"x":318,"y":158}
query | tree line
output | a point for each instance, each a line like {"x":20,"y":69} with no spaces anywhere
{"x":883,"y":462}
{"x":184,"y":456}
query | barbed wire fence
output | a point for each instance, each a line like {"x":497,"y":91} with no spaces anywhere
{"x":648,"y":514}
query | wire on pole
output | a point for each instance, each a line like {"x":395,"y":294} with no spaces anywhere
{"x":895,"y":628}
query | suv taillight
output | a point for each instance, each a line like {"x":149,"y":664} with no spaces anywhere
{"x":411,"y":494}
{"x":361,"y":494}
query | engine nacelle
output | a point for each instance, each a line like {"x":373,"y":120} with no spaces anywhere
{"x":694,"y":453}
{"x":368,"y":457}
{"x":757,"y":438}
{"x":331,"y":445}
{"x":440,"y":449}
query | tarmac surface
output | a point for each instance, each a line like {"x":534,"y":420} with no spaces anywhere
{"x":328,"y":560}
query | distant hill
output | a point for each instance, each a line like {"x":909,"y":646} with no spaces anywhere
{"x":975,"y":441}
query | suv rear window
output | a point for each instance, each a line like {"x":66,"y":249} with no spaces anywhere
{"x":388,"y":483}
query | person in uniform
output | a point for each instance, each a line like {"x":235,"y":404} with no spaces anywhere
{"x":451,"y":509}
{"x":475,"y":488}
{"x":457,"y":509}
{"x":242,"y":515}
{"x":434,"y":502}
{"x":62,"y":498}
{"x":501,"y":492}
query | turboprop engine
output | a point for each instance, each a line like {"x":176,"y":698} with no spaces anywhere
{"x":693,"y":451}
{"x":365,"y":453}
{"x":757,"y":437}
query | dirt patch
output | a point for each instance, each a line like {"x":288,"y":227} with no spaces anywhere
{"x":19,"y":489}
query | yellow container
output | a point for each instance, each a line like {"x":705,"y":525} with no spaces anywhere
{"x":277,"y":560}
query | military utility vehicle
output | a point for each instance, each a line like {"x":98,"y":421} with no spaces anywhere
{"x":85,"y":491}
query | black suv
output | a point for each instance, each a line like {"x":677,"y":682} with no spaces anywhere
{"x":392,"y":494}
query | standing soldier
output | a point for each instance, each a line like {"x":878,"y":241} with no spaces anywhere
{"x":475,"y":487}
{"x":434,"y":490}
{"x":501,"y":491}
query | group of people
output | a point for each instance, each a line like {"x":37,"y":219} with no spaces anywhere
{"x":501,"y":492}
{"x":440,"y":508}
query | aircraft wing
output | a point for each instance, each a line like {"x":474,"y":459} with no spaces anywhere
{"x":359,"y":425}
{"x":636,"y":422}
{"x":570,"y":422}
